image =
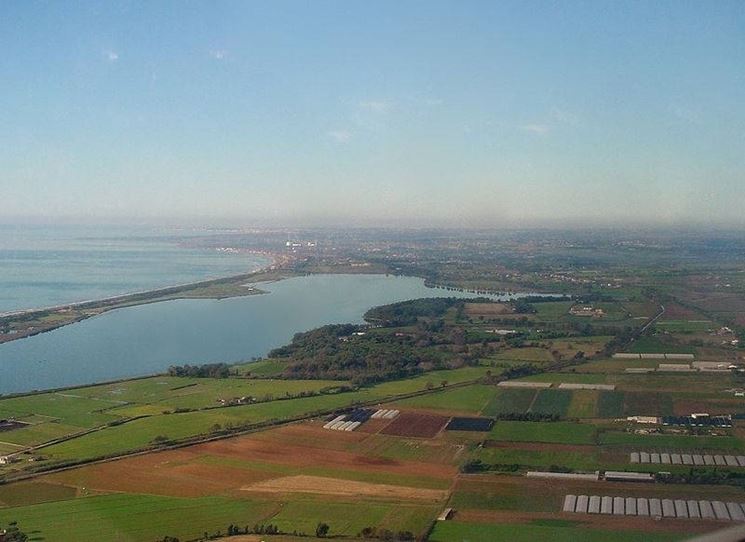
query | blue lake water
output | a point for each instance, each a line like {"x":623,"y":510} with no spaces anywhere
{"x":148,"y":338}
{"x":42,"y":266}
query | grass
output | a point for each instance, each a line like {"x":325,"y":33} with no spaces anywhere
{"x":349,"y":518}
{"x":552,"y":432}
{"x":508,"y":400}
{"x":25,"y":493}
{"x":553,"y":310}
{"x":36,"y":434}
{"x":649,"y":344}
{"x":69,"y":408}
{"x":552,"y":401}
{"x":539,"y":459}
{"x":453,"y":531}
{"x":134,"y":518}
{"x":583,"y":404}
{"x":470,"y":399}
{"x":684,"y":326}
{"x":262,"y":368}
{"x":610,"y":404}
{"x":671,"y":441}
{"x":648,"y":404}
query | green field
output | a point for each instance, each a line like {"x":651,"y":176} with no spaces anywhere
{"x":610,"y":404}
{"x":552,"y":401}
{"x":684,"y":326}
{"x":470,"y":399}
{"x":644,"y":442}
{"x":542,"y":459}
{"x":649,"y":344}
{"x":509,"y":400}
{"x":134,"y":518}
{"x":453,"y":531}
{"x":553,"y":432}
{"x":350,"y":518}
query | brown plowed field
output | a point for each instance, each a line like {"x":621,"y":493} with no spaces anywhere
{"x":228,"y":465}
{"x":332,"y":486}
{"x":410,"y":424}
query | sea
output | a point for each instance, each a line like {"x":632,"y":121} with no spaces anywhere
{"x":44,"y":266}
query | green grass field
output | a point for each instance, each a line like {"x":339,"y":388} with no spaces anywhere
{"x":684,"y":326}
{"x":553,"y":432}
{"x":470,"y":399}
{"x":134,"y":518}
{"x":644,"y":442}
{"x":649,"y":344}
{"x":350,"y":518}
{"x":509,"y":400}
{"x":453,"y":531}
{"x":552,"y":401}
{"x":541,"y":459}
{"x":610,"y":404}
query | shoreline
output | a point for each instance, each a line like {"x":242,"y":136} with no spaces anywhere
{"x":78,"y":304}
{"x":26,"y":323}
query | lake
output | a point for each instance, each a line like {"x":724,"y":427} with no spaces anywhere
{"x":146,"y":339}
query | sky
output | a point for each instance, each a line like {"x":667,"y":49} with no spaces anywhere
{"x":402,"y":112}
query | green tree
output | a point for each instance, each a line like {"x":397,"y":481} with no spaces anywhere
{"x":322,"y":530}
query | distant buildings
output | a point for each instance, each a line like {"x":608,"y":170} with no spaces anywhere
{"x":586,"y":311}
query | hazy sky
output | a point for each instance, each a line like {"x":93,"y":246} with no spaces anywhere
{"x":410,"y":112}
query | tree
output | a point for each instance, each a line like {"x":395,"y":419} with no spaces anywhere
{"x":322,"y":529}
{"x":14,"y":534}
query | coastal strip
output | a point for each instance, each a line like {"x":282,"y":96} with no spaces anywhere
{"x":26,"y":323}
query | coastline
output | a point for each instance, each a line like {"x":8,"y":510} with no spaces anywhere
{"x":26,"y":323}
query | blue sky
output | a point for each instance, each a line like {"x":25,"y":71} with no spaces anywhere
{"x":403,"y":112}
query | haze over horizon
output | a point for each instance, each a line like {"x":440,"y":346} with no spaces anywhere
{"x":467,"y":114}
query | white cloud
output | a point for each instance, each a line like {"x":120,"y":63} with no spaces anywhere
{"x":340,"y":136}
{"x":111,"y":56}
{"x":219,"y":54}
{"x":376,"y":106}
{"x":432,"y":102}
{"x":539,"y":129}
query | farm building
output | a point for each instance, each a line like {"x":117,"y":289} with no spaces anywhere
{"x":679,"y":356}
{"x":675,"y":367}
{"x":576,"y":386}
{"x":643,"y":419}
{"x":623,"y":476}
{"x":564,"y":475}
{"x":654,"y":508}
{"x":512,"y":384}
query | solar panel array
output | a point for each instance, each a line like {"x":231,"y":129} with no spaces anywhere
{"x":688,"y":459}
{"x":666,"y":508}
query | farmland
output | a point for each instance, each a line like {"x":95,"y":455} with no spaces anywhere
{"x":184,"y":455}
